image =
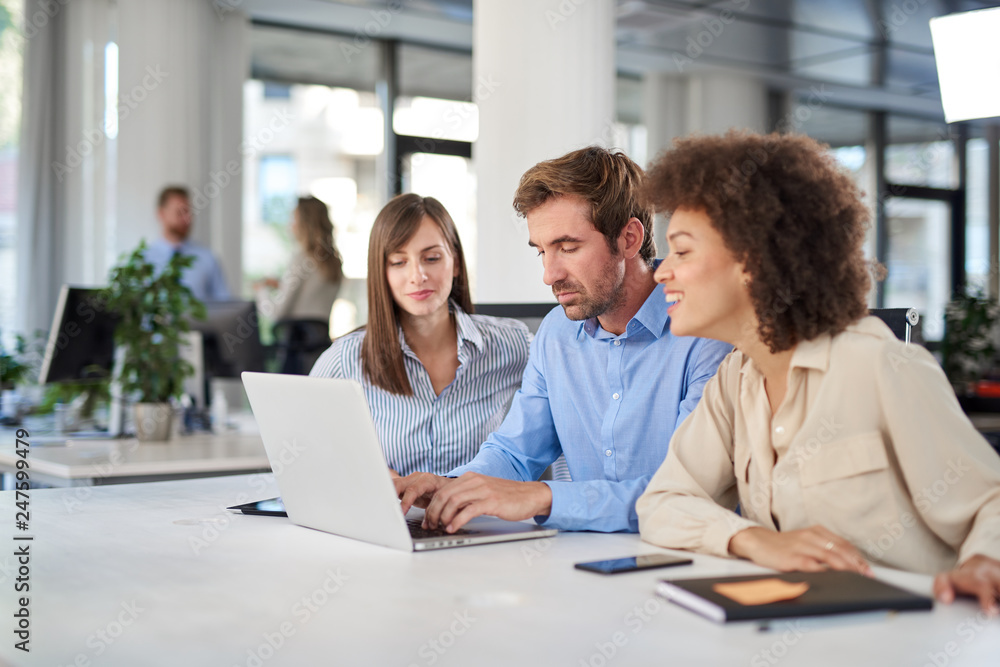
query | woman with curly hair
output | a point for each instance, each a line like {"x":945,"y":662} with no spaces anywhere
{"x":839,"y":443}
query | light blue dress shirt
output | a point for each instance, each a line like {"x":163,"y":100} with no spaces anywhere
{"x":204,"y":277}
{"x":609,"y":403}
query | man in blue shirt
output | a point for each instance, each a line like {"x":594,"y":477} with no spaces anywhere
{"x":204,"y":277}
{"x":606,"y":383}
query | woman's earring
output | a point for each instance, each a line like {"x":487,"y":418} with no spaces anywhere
{"x":746,"y":283}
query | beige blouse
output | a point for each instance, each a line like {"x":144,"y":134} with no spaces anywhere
{"x":303,"y":293}
{"x":869,"y":442}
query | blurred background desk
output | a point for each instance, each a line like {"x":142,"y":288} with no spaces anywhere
{"x":96,"y":462}
{"x":168,"y":576}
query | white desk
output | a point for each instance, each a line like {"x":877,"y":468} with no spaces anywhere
{"x":95,"y":462}
{"x":199,"y":586}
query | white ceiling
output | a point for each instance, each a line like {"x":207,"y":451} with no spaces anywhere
{"x":789,"y":44}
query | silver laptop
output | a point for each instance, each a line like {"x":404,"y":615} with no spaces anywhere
{"x":332,"y":475}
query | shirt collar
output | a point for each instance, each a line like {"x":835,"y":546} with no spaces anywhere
{"x":467,"y":328}
{"x":652,"y":315}
{"x":813,"y":353}
{"x":464,"y":324}
{"x":183,"y":245}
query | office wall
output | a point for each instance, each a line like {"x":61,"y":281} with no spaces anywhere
{"x":92,"y":162}
{"x":182,"y":68}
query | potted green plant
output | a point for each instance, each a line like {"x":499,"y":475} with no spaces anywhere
{"x":154,"y":311}
{"x":14,"y":370}
{"x":967,"y":348}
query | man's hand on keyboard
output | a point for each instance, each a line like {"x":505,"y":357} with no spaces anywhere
{"x":458,"y":501}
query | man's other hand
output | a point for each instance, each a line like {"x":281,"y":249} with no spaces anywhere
{"x":459,"y":501}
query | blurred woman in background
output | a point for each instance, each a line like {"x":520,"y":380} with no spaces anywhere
{"x":310,"y":284}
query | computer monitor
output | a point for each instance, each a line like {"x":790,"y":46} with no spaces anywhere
{"x":81,"y":346}
{"x":230,"y":339}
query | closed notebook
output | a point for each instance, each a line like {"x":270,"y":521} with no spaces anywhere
{"x":785,"y":595}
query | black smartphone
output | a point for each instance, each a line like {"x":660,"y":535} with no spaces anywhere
{"x":646,"y":562}
{"x":269,"y":507}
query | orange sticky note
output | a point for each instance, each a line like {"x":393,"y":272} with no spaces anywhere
{"x":762,"y":591}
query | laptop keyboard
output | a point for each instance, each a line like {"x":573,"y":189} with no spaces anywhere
{"x":417,"y":531}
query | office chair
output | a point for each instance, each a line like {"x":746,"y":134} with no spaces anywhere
{"x":299,"y":343}
{"x":900,"y":320}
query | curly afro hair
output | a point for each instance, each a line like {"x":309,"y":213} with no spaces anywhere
{"x":789,"y":213}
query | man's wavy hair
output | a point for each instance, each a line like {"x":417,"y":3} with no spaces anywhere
{"x":608,"y":180}
{"x":789,"y":213}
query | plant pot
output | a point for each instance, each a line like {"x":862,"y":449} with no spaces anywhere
{"x":153,"y":421}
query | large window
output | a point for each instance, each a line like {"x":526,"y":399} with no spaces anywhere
{"x":313,"y":140}
{"x":977,"y":236}
{"x":918,"y":260}
{"x":333,"y":144}
{"x":923,"y":224}
{"x":11,"y":64}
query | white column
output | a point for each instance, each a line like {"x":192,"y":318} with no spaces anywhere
{"x":544,"y":81}
{"x":664,"y":113}
{"x":993,"y":174}
{"x":65,"y":155}
{"x":675,"y":105}
{"x":664,"y":109}
{"x":182,"y":65}
{"x":719,"y":101}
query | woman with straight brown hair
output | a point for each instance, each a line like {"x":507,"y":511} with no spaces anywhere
{"x":438,"y":379}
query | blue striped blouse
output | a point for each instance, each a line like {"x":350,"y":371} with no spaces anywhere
{"x":430,"y":433}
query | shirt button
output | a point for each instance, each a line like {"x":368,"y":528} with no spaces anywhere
{"x":618,"y":342}
{"x":615,"y":396}
{"x":607,"y":452}
{"x":779,"y":429}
